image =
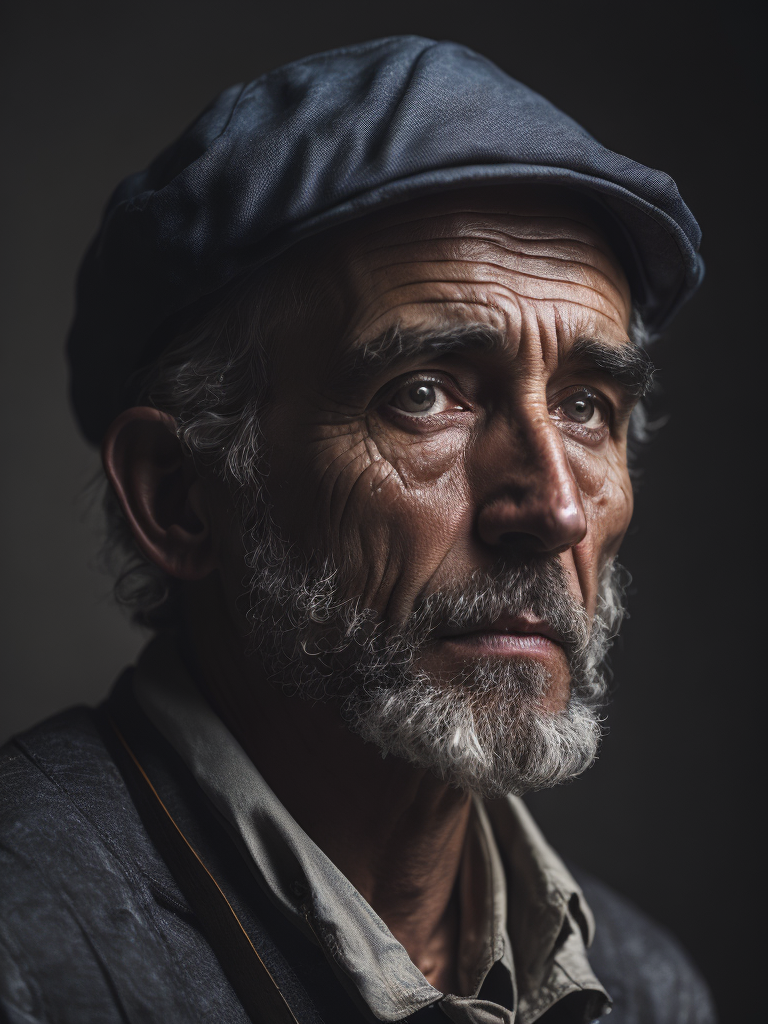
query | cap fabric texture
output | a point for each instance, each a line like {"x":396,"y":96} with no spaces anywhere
{"x":323,"y":141}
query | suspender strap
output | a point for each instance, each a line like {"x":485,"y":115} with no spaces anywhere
{"x":255,"y":987}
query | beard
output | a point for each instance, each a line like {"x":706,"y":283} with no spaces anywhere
{"x":485,"y":729}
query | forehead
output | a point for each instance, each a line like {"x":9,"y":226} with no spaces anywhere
{"x":485,"y":255}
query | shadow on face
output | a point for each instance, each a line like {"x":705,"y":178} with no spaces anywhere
{"x":466,"y":411}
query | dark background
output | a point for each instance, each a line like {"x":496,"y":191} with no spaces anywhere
{"x":669,"y":814}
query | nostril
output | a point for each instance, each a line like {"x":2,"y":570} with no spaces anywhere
{"x":523,"y":544}
{"x":546,"y":519}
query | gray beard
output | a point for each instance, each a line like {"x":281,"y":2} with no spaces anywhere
{"x":484,"y":730}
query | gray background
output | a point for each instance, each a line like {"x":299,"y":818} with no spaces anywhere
{"x":93,"y":90}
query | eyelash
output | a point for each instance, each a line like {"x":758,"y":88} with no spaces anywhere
{"x":447,"y":385}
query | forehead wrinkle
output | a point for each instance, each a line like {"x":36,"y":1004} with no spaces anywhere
{"x":497,"y":262}
{"x":501,"y":260}
{"x":505,"y":292}
{"x":499,"y":269}
{"x":491,"y":237}
{"x":590,"y":309}
{"x":582,"y":227}
{"x":577,"y":256}
{"x":435,"y":301}
{"x":576,"y":249}
{"x":545,"y":259}
{"x":467,"y":249}
{"x":463,"y":261}
{"x":507,"y":300}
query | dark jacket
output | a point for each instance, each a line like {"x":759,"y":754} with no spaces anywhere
{"x":95,"y":928}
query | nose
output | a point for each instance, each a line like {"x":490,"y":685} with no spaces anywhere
{"x":534,"y":501}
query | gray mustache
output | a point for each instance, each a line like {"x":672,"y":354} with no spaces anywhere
{"x":538,"y":589}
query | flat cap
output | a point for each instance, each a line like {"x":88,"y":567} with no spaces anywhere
{"x":325,"y":140}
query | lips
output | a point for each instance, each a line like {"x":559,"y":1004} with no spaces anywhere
{"x":506,"y":625}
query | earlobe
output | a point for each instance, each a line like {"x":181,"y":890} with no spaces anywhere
{"x":162,"y":495}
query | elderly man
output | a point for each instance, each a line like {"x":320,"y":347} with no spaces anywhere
{"x":363,"y":350}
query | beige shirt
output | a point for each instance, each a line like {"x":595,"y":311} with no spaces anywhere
{"x":519,"y":906}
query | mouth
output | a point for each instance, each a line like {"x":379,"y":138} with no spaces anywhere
{"x":508,"y":634}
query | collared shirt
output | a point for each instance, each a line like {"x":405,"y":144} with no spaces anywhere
{"x":519,"y":906}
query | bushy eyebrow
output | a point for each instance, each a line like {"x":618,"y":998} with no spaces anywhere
{"x":628,"y":364}
{"x":399,"y":345}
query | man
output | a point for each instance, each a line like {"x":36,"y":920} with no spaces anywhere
{"x":363,"y":351}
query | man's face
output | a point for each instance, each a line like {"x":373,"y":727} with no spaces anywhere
{"x":493,"y":432}
{"x":467,"y":421}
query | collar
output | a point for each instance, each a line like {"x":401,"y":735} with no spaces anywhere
{"x":536,"y":929}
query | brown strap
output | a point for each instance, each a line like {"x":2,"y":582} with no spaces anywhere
{"x":247,"y":973}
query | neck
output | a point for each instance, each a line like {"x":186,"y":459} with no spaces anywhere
{"x":393,"y":829}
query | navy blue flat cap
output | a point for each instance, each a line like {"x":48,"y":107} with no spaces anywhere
{"x":323,"y":141}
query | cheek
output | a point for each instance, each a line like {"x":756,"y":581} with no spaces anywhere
{"x":606,"y":491}
{"x":608,"y":503}
{"x":387,"y":510}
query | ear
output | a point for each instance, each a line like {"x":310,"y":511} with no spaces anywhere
{"x":164,"y":499}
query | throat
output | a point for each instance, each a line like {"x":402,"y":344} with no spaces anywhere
{"x":427,"y":898}
{"x":435,"y":955}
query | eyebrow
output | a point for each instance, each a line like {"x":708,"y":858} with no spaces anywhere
{"x":627,"y":364}
{"x":397,"y":345}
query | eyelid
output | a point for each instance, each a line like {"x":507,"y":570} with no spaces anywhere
{"x":594,"y":393}
{"x":442,"y":379}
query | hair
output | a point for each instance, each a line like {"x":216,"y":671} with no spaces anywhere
{"x":214,"y":378}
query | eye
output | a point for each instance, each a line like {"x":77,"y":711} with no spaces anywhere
{"x":420,"y":398}
{"x":583,"y":408}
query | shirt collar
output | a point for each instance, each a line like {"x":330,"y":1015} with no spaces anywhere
{"x":549,"y":920}
{"x":537,"y":928}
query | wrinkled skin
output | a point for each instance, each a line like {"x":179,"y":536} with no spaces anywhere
{"x":410,"y":503}
{"x":522,"y":453}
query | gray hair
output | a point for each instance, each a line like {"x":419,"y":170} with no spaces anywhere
{"x":214,"y":380}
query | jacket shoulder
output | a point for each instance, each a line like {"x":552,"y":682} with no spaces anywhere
{"x":62,"y":753}
{"x":80,"y":933}
{"x":645,"y":970}
{"x":61,"y":791}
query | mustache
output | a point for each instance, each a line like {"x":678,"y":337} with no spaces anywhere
{"x":534,"y":589}
{"x":310,"y":614}
{"x":538,"y":589}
